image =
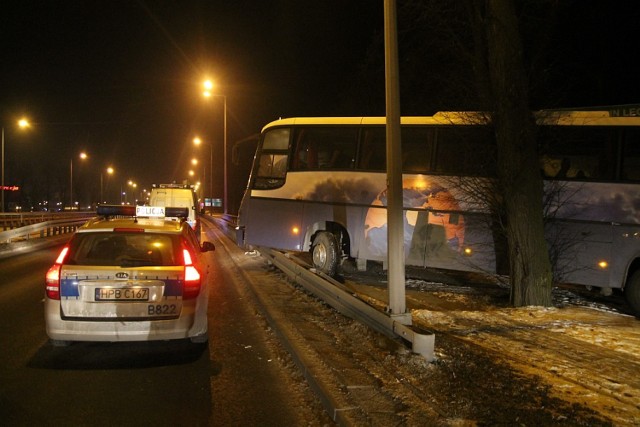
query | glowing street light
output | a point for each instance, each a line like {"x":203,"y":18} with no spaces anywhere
{"x":23,"y":124}
{"x":131,"y":184}
{"x":208,"y":87}
{"x":109,"y":171}
{"x":82,"y":156}
{"x":194,"y":164}
{"x":197,"y":141}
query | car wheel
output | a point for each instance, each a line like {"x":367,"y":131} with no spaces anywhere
{"x":632,"y":293}
{"x":325,"y":253}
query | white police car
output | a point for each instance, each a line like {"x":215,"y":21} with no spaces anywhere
{"x":129,"y":275}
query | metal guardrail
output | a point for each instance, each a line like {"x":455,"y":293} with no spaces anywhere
{"x":9,"y":221}
{"x":42,"y":229}
{"x":340,"y":298}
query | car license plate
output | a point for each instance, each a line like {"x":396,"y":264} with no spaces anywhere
{"x":122,"y":294}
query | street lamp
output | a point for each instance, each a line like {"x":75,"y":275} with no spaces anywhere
{"x":109,"y":171}
{"x":83,"y":156}
{"x":198,"y":141}
{"x":131,"y":184}
{"x":23,"y":124}
{"x":208,"y":86}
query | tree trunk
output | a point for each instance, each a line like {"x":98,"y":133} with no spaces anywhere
{"x":519,"y":175}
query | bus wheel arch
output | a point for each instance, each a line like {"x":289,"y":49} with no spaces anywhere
{"x":325,"y":252}
{"x":329,"y":244}
{"x":632,"y":290}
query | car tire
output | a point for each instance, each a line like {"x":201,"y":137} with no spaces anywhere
{"x":60,"y":343}
{"x":632,"y":293}
{"x":325,"y":253}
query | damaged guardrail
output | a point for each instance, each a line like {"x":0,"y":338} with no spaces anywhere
{"x":340,"y":298}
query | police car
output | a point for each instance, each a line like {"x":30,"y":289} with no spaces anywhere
{"x":130,"y":274}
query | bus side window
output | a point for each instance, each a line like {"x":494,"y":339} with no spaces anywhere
{"x":337,"y":149}
{"x":577,"y":152}
{"x":273,"y":156}
{"x":417,"y":148}
{"x":372,"y":155}
{"x":273,"y":159}
{"x":272,"y":165}
{"x":466,"y":150}
{"x":319,"y":148}
{"x":305,"y":154}
{"x":631,"y":155}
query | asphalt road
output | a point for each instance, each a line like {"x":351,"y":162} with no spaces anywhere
{"x":239,"y":378}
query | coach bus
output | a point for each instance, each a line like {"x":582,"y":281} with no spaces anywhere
{"x":319,"y":185}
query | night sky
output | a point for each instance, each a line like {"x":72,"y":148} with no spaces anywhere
{"x":121,"y":80}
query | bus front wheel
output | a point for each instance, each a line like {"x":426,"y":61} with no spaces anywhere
{"x":325,"y":253}
{"x":632,"y":293}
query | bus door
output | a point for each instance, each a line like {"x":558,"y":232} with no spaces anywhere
{"x":270,"y":216}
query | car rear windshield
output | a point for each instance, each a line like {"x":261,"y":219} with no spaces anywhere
{"x":124,"y":249}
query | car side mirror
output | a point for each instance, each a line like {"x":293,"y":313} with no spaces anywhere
{"x":207,"y":246}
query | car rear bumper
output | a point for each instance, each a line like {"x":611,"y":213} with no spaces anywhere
{"x":186,"y":326}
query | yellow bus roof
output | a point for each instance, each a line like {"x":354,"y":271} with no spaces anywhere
{"x":459,"y":118}
{"x":543,"y":117}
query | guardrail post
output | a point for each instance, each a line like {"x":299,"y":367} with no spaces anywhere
{"x":424,"y":345}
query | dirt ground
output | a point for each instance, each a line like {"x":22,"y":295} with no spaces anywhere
{"x":577,"y":363}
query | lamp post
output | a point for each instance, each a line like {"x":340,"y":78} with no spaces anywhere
{"x":208,"y":86}
{"x":198,"y":141}
{"x":109,"y":171}
{"x":2,"y":170}
{"x":131,"y":184}
{"x":82,"y":156}
{"x":22,"y":123}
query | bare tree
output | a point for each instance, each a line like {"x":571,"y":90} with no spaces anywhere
{"x":518,"y":168}
{"x":491,"y":44}
{"x":470,"y":55}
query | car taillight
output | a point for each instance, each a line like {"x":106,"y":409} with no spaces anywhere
{"x":52,"y":278}
{"x":191,"y":277}
{"x":53,"y":282}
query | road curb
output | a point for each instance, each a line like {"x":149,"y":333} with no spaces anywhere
{"x":333,"y":399}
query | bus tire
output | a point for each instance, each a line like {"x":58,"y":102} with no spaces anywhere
{"x":325,"y":253}
{"x":632,"y":293}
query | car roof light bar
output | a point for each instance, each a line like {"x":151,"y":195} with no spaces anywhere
{"x":131,"y":211}
{"x":116,"y":210}
{"x":177,"y":212}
